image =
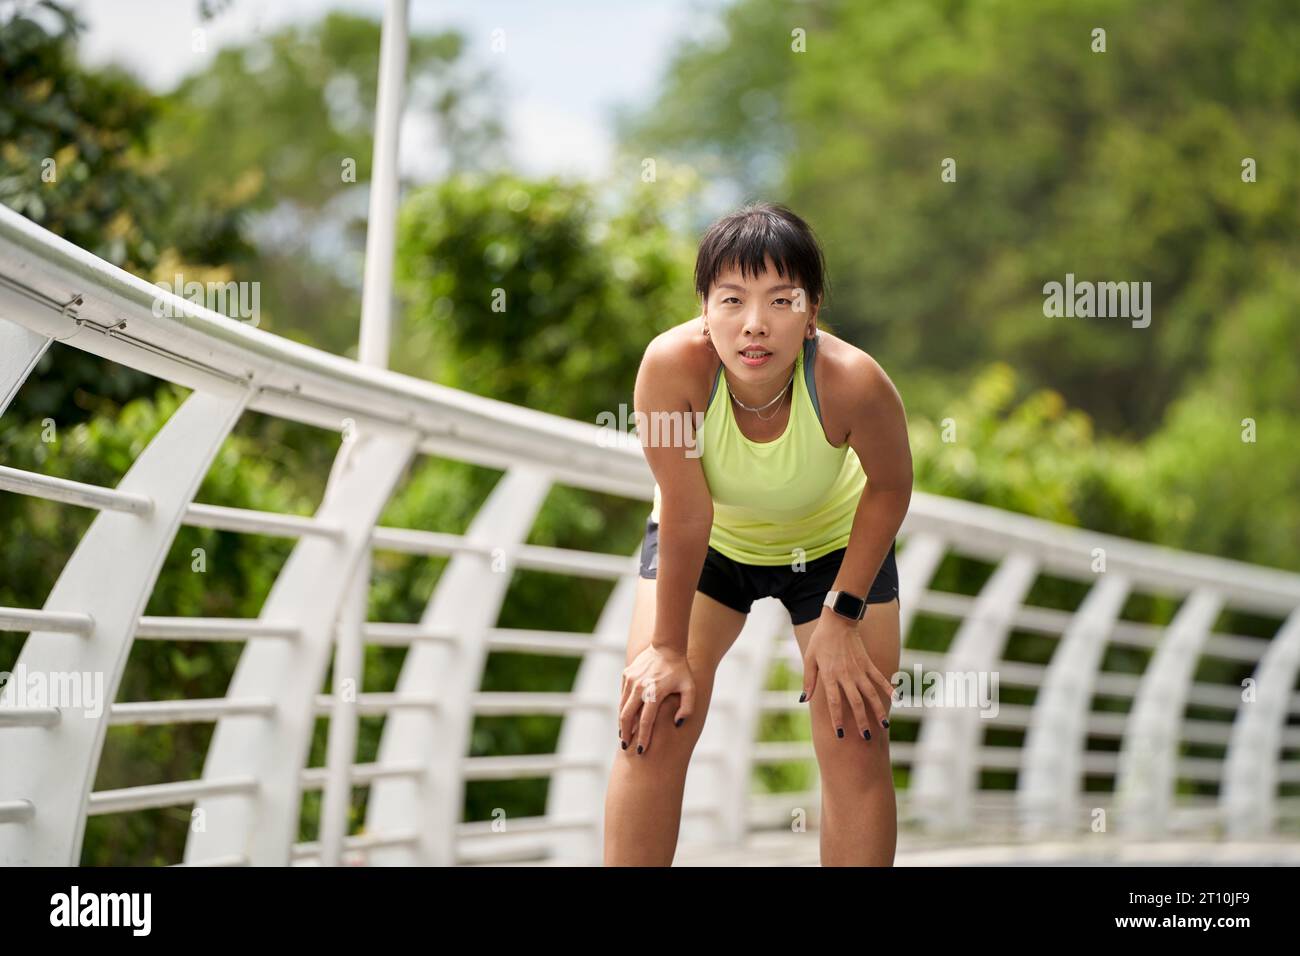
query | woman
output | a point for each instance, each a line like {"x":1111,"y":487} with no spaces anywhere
{"x":774,"y":500}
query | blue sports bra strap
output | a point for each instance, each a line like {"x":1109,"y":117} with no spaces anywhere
{"x":809,"y":354}
{"x":716,"y":378}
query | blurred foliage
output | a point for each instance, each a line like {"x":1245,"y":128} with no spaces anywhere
{"x":78,"y":155}
{"x":519,"y":290}
{"x":301,"y":158}
{"x":1033,"y":454}
{"x":1122,"y":166}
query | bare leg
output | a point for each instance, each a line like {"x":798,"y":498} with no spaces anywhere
{"x":643,"y":804}
{"x":859,"y":823}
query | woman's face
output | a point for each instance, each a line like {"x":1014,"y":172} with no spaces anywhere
{"x":766,"y":315}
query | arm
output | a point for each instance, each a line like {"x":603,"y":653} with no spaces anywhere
{"x":665,"y":424}
{"x":878,"y":435}
{"x":685,"y":507}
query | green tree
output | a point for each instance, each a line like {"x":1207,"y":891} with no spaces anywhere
{"x":1124,"y":165}
{"x":286,"y":122}
{"x":521,"y":291}
{"x":78,"y":156}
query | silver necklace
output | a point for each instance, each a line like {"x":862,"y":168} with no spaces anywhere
{"x":758,"y":408}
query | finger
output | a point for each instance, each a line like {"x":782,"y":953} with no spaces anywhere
{"x":865,"y":696}
{"x":833,"y":702}
{"x":628,"y":716}
{"x":853,"y":696}
{"x":648,"y":714}
{"x":879,"y":690}
{"x":809,"y":679}
{"x":628,"y":682}
{"x":685,"y":704}
{"x":886,"y":694}
{"x":622,"y":702}
{"x":624,"y":694}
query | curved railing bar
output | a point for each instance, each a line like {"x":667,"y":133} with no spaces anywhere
{"x":309,"y":589}
{"x":1056,"y":741}
{"x":466,"y":602}
{"x":1252,"y":768}
{"x":53,"y":767}
{"x":946,"y":756}
{"x":20,"y":350}
{"x":919,"y":559}
{"x":47,"y":269}
{"x":1149,"y":748}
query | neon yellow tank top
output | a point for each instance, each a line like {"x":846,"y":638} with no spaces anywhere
{"x":777,"y":501}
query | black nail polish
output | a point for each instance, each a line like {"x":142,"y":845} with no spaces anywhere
{"x":839,"y":731}
{"x":866,"y":734}
{"x":679,"y":720}
{"x":885,"y":723}
{"x":803,"y":697}
{"x":639,"y":748}
{"x":625,"y":745}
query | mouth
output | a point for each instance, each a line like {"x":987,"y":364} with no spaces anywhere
{"x":755,"y":355}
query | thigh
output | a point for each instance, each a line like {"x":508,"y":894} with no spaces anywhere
{"x":852,"y":757}
{"x":878,"y":632}
{"x":713,"y":628}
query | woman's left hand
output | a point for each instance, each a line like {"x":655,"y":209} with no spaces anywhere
{"x":837,"y":659}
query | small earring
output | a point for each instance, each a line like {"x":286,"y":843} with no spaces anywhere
{"x":706,"y":330}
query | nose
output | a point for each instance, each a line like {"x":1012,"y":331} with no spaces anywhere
{"x":755,"y":322}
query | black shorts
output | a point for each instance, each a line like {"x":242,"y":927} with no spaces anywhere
{"x":802,"y":592}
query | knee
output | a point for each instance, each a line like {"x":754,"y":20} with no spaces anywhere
{"x":667,"y":741}
{"x":855,"y":765}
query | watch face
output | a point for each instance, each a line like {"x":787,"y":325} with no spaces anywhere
{"x":848,"y":605}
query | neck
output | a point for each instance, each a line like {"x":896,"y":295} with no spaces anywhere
{"x":758,"y":395}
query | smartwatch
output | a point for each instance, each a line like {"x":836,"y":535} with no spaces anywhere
{"x":846,"y":604}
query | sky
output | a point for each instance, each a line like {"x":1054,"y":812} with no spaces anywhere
{"x":566,"y":64}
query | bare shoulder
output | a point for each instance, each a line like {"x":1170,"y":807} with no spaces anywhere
{"x":680,"y":361}
{"x":684,"y":342}
{"x":850,"y":375}
{"x":861,"y":404}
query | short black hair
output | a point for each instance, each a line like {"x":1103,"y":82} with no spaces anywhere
{"x":748,"y":236}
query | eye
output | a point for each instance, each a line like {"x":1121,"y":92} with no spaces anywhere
{"x":730,"y":298}
{"x":781,"y":299}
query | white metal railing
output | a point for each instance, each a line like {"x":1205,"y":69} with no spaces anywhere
{"x":255,"y":773}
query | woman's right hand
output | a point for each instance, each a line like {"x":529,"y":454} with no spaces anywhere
{"x":653,"y":676}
